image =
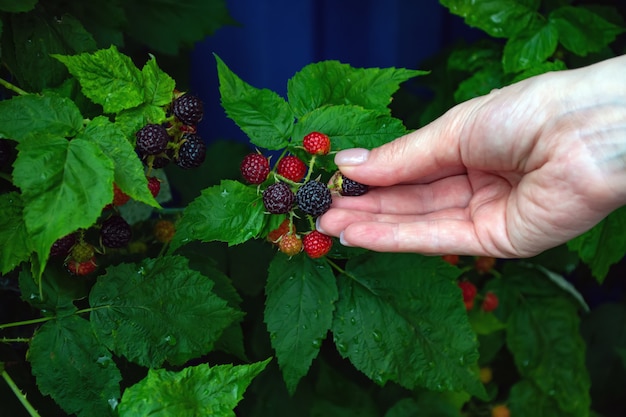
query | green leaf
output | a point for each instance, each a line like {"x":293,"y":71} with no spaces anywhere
{"x":348,"y":126}
{"x":394,"y":321}
{"x":530,"y":48}
{"x":544,"y":338}
{"x":169,"y":25}
{"x":72,"y":367}
{"x":261,"y":113}
{"x":480,"y":83}
{"x":603,"y":245}
{"x":107,"y":77}
{"x":231,"y":212}
{"x":427,"y":404}
{"x":28,"y":41}
{"x":157,"y":311}
{"x":129,"y":121}
{"x":581,"y":31}
{"x":65,"y":184}
{"x":129,"y":172}
{"x":158,"y":86}
{"x":540,"y":68}
{"x":194,"y":391}
{"x":231,"y":340}
{"x":59,"y":291}
{"x":33,"y":116}
{"x":484,"y":323}
{"x":469,"y":58}
{"x":301,"y":293}
{"x":74,"y":35}
{"x":527,"y":400}
{"x":331,"y":82}
{"x":499,"y":18}
{"x":13,"y":6}
{"x":14,"y":240}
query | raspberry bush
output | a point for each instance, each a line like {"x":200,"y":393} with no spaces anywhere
{"x":122,"y":303}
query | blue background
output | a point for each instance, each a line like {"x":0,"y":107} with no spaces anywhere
{"x":276,"y":38}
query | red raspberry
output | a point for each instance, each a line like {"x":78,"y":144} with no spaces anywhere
{"x":316,"y":143}
{"x":490,"y":302}
{"x":119,"y":197}
{"x":154,"y":185}
{"x":484,"y":264}
{"x":284,"y":228}
{"x":451,"y":259}
{"x":469,"y":290}
{"x":164,"y":230}
{"x":292,"y":168}
{"x":255,"y":168}
{"x":317,"y":244}
{"x":469,"y":304}
{"x":290,"y":244}
{"x":81,"y":268}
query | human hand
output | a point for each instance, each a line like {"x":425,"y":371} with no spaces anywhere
{"x":510,"y":174}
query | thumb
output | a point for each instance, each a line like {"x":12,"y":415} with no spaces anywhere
{"x":424,"y":155}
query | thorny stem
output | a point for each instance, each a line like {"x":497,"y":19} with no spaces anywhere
{"x":26,"y":322}
{"x":47,"y":318}
{"x":310,"y":170}
{"x":15,"y":340}
{"x":18,"y":393}
{"x":12,"y":87}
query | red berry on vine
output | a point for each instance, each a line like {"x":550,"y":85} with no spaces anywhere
{"x":278,"y":198}
{"x":115,"y":232}
{"x":292,"y":168}
{"x":469,"y":290}
{"x":255,"y":168}
{"x":290,"y":244}
{"x":316,"y":143}
{"x":154,"y":185}
{"x":152,"y":139}
{"x":484,"y":264}
{"x":284,"y":228}
{"x":317,"y":244}
{"x":451,"y":259}
{"x":188,"y":109}
{"x":81,"y":268}
{"x":119,"y":197}
{"x":490,"y":302}
{"x":192,"y":151}
{"x":314,"y":198}
{"x":164,"y":230}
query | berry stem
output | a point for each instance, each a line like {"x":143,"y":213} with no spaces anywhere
{"x":26,"y":322}
{"x":310,"y":170}
{"x":287,"y":180}
{"x":18,"y":393}
{"x":12,"y":87}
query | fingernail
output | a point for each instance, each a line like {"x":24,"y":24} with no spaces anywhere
{"x":318,"y":227}
{"x":354,"y":156}
{"x":342,"y":240}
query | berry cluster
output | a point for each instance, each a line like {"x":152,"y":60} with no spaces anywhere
{"x":111,"y":232}
{"x":288,"y":188}
{"x":490,"y":300}
{"x":177,"y":140}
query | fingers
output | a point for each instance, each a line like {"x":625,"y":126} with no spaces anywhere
{"x":429,"y":237}
{"x":446,"y":193}
{"x":432,"y":151}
